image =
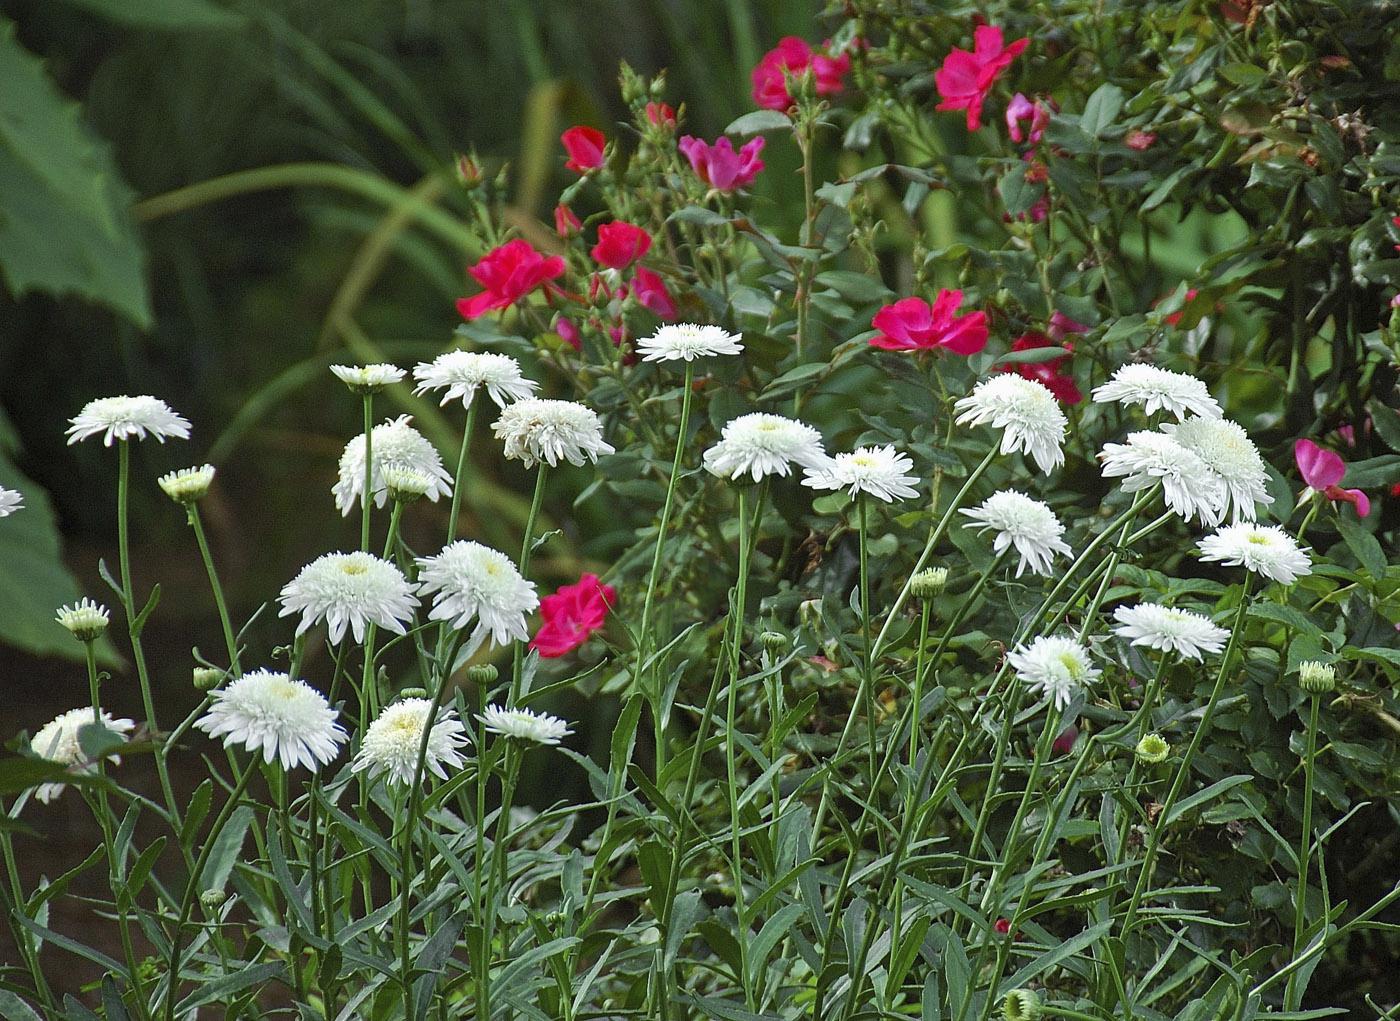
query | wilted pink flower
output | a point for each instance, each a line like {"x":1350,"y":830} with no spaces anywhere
{"x":792,"y":58}
{"x":1140,"y":140}
{"x":566,"y":329}
{"x":1061,"y":324}
{"x":1064,"y":744}
{"x":1322,"y":470}
{"x":651,"y":293}
{"x":967,"y":76}
{"x":1037,"y":114}
{"x":508,"y":273}
{"x":585,"y":148}
{"x":620,"y":244}
{"x":913,"y":325}
{"x":719,"y":166}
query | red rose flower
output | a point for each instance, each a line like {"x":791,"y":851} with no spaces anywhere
{"x":508,"y":273}
{"x":719,"y":166}
{"x":792,"y":58}
{"x":566,"y":329}
{"x":967,"y":76}
{"x":620,"y":244}
{"x":1036,"y":114}
{"x":571,"y":615}
{"x":1060,"y":383}
{"x":651,"y":293}
{"x":913,"y":325}
{"x":1322,"y":470}
{"x":585,"y":148}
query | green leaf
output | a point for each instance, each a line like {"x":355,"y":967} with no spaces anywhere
{"x":19,"y":774}
{"x":1203,"y":795}
{"x":12,"y":1008}
{"x":1055,"y":955}
{"x":236,"y":980}
{"x":1373,"y":472}
{"x":1033,"y":356}
{"x":1387,"y":422}
{"x":167,"y":14}
{"x":97,"y":741}
{"x":228,"y":846}
{"x":758,"y":120}
{"x":1363,"y":545}
{"x":860,"y":288}
{"x":1101,"y":108}
{"x":65,"y":225}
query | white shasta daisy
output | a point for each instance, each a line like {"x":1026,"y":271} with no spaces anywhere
{"x":367,"y":379}
{"x":11,"y":500}
{"x":1158,"y":389}
{"x":1029,"y":525}
{"x":351,"y":589}
{"x":188,"y":484}
{"x":469,"y":581}
{"x":280,"y":716}
{"x":1229,"y":452}
{"x":760,"y":444}
{"x":460,"y":374}
{"x":391,"y":743}
{"x":85,"y":620}
{"x":1189,"y":487}
{"x":57,"y":741}
{"x":1057,"y":667}
{"x":1027,"y":413}
{"x":524,"y":724}
{"x":676,"y":342}
{"x":1168,"y":629}
{"x":121,"y":418}
{"x":394,"y":442}
{"x":1263,"y":549}
{"x":535,"y":429}
{"x":880,"y":471}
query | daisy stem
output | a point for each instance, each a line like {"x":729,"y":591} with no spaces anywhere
{"x":867,"y":678}
{"x":655,"y":693}
{"x":368,"y":493}
{"x":461,"y":471}
{"x":1183,"y":770}
{"x":1293,"y":993}
{"x":14,"y":901}
{"x":1142,"y":720}
{"x":230,"y":642}
{"x":527,"y":547}
{"x":497,"y":874}
{"x":916,"y":696}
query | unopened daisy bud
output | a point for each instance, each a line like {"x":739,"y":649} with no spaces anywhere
{"x":412,"y":693}
{"x":206,"y":678}
{"x":187,"y":485}
{"x":483,"y":675}
{"x":773,"y":642}
{"x":1317,"y":678}
{"x":1152,"y":749}
{"x":405,"y":484}
{"x":212,"y":898}
{"x":1021,"y":1005}
{"x":927,"y":584}
{"x":809,"y":611}
{"x":367,"y":379}
{"x":85,"y":620}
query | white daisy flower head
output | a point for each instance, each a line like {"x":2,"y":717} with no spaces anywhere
{"x":883,"y":472}
{"x":349,"y":590}
{"x":1025,"y":411}
{"x":84,"y":620}
{"x":187,"y":485}
{"x":280,"y":716}
{"x":391,"y":743}
{"x":394,"y":442}
{"x":677,"y":342}
{"x":760,"y":444}
{"x":460,"y":374}
{"x":11,"y":500}
{"x":1189,"y":487}
{"x":1168,"y":629}
{"x":57,"y":741}
{"x":367,"y":379}
{"x":1058,"y":668}
{"x":406,"y":484}
{"x":535,"y":429}
{"x":121,"y":418}
{"x":1262,"y":549}
{"x":470,"y":581}
{"x":1027,"y":524}
{"x":1158,"y":389}
{"x":1229,"y":452}
{"x":524,"y":724}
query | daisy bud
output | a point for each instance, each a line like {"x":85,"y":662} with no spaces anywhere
{"x":1152,"y":749}
{"x":367,"y":379}
{"x":188,"y":485}
{"x":809,"y":611}
{"x":405,"y":484}
{"x":212,"y":898}
{"x":1021,"y":1005}
{"x":413,"y":693}
{"x":773,"y":642}
{"x":1317,"y":678}
{"x":85,"y":620}
{"x":483,"y":675}
{"x":207,"y":678}
{"x":927,"y":584}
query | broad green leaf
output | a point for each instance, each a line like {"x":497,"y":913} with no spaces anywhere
{"x":12,"y":1008}
{"x":1101,"y":108}
{"x":1363,"y":545}
{"x":65,"y":226}
{"x":166,"y":14}
{"x":758,"y":120}
{"x":1204,"y":795}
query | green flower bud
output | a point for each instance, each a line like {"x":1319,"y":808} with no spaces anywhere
{"x":212,"y":898}
{"x":1021,"y":1005}
{"x":1317,"y":678}
{"x":207,"y":678}
{"x":85,"y":620}
{"x":188,"y":485}
{"x":483,"y":675}
{"x":927,"y":584}
{"x":1152,"y":749}
{"x":414,"y":693}
{"x":773,"y":642}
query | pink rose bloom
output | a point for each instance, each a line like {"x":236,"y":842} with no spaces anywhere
{"x":571,"y":615}
{"x":791,"y":58}
{"x":620,"y":244}
{"x":1061,"y":324}
{"x":1036,"y":114}
{"x":719,"y":166}
{"x":566,"y":329}
{"x":509,"y":273}
{"x":651,"y":293}
{"x":1052,"y":374}
{"x":585,"y":148}
{"x":1322,"y":470}
{"x":913,"y":325}
{"x":967,"y":76}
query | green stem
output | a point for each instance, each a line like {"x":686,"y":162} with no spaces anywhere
{"x":230,"y":642}
{"x":461,"y":471}
{"x":867,"y":679}
{"x":366,"y":497}
{"x":527,"y":549}
{"x":1293,"y":993}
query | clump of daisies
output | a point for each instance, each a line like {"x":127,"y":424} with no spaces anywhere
{"x":760,"y":444}
{"x":1157,"y":389}
{"x":59,"y":741}
{"x":883,"y":472}
{"x":535,"y":430}
{"x":470,"y":581}
{"x":394,"y":442}
{"x":1028,"y":525}
{"x":283,"y":718}
{"x":676,"y":342}
{"x":460,"y":374}
{"x":1231,"y":455}
{"x":392,"y":742}
{"x":125,"y":418}
{"x":1055,"y":667}
{"x":1024,"y":410}
{"x":1169,"y":629}
{"x":1262,"y":549}
{"x":349,"y":590}
{"x":524,"y":724}
{"x":1189,"y":487}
